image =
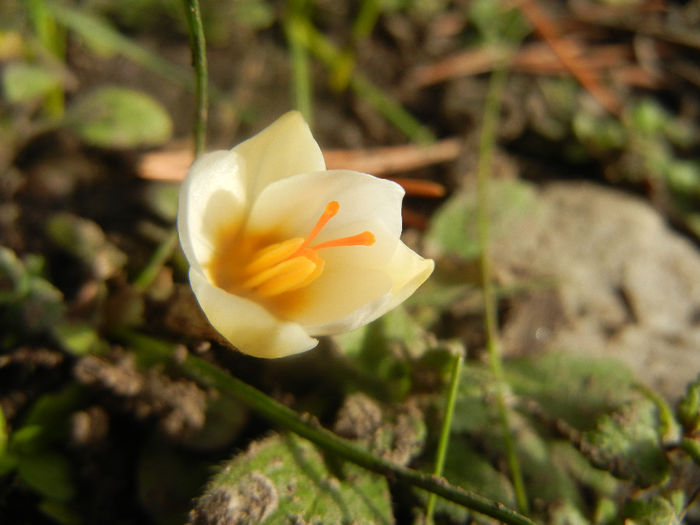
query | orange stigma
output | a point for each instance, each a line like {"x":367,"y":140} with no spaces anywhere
{"x":330,"y":212}
{"x":361,"y":239}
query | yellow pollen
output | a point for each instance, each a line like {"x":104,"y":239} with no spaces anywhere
{"x":286,"y":276}
{"x":283,"y":266}
{"x":273,"y":254}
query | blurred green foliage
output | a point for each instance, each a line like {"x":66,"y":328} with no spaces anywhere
{"x":114,"y":117}
{"x":30,"y":303}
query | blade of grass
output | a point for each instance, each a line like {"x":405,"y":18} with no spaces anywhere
{"x":53,"y":39}
{"x":392,"y":110}
{"x":301,"y":76}
{"x":486,"y":145}
{"x":153,"y":351}
{"x":456,"y":373}
{"x":361,"y":29}
{"x":199,"y":61}
{"x":162,"y":255}
{"x":95,"y":29}
{"x":578,"y":67}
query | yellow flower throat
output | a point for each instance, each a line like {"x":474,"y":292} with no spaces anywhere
{"x":259,"y":265}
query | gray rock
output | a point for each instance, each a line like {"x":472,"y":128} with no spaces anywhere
{"x":625,"y":284}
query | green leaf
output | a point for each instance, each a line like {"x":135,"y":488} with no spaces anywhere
{"x":454,"y":227}
{"x":692,"y":448}
{"x":473,"y":411}
{"x":653,"y":511}
{"x":548,"y":479}
{"x":599,"y":134}
{"x":85,"y":240}
{"x":496,"y":24}
{"x":254,"y":14}
{"x":627,"y":443}
{"x":30,"y":303}
{"x":49,"y":474}
{"x":60,"y":512}
{"x":471,"y":470}
{"x":47,"y":420}
{"x":8,"y":462}
{"x":78,"y":338}
{"x":683,"y":178}
{"x":566,"y":514}
{"x":286,"y":479}
{"x":23,"y":82}
{"x":104,"y":39}
{"x":648,"y":118}
{"x":578,"y":467}
{"x":378,"y":353}
{"x":574,"y":388}
{"x":116,"y":117}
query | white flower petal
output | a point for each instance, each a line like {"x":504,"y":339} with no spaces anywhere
{"x":285,"y":148}
{"x":408,"y":271}
{"x":334,"y":303}
{"x":247,"y":325}
{"x":330,"y":304}
{"x":293,"y":205}
{"x":212,"y":196}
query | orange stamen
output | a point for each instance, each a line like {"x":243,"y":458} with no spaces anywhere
{"x":288,"y":265}
{"x":330,"y":211}
{"x":361,"y":239}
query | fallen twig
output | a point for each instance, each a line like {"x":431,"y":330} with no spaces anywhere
{"x":562,"y":47}
{"x":172,"y":165}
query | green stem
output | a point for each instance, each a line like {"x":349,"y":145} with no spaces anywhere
{"x":361,"y":29}
{"x":199,"y":61}
{"x":456,"y":371}
{"x":301,"y":76}
{"x":486,"y":146}
{"x":161,"y":256}
{"x":151,"y":351}
{"x":366,"y":18}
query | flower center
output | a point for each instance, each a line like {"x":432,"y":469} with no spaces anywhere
{"x":269,"y":269}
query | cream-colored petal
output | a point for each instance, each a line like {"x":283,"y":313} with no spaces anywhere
{"x":285,"y":148}
{"x":335,"y":304}
{"x":331,"y":302}
{"x":292,"y":206}
{"x":355,"y":286}
{"x":352,"y":287}
{"x":360,"y":317}
{"x":408,"y":271}
{"x":212,"y":196}
{"x":247,"y":325}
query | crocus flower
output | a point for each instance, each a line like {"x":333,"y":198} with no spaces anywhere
{"x":281,"y":249}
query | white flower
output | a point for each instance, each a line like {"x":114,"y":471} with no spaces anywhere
{"x":281,"y":249}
